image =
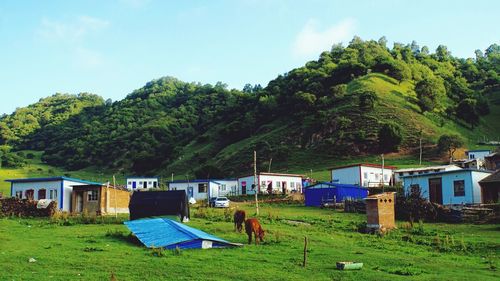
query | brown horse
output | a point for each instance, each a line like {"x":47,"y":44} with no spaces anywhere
{"x":239,"y":219}
{"x":253,"y":226}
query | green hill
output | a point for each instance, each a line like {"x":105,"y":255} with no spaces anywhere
{"x":350,"y":105}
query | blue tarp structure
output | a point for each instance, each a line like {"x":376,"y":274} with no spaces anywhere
{"x":169,"y":234}
{"x":321,"y":192}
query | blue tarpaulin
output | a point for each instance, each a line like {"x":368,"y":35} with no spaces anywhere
{"x":321,"y":192}
{"x":169,"y":234}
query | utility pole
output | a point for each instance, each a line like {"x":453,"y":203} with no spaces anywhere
{"x":114,"y":187}
{"x":172,"y":177}
{"x":383,"y":183}
{"x":270,"y":162}
{"x":255,"y":182}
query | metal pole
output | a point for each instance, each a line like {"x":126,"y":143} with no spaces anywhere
{"x":255,"y":182}
{"x":383,"y":183}
{"x":420,"y":160}
{"x":114,"y":187}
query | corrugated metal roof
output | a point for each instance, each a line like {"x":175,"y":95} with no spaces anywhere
{"x":495,"y":177}
{"x":365,"y":165}
{"x":166,"y":233}
{"x":447,"y":172}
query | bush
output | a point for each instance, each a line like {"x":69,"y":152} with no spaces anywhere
{"x":390,"y":137}
{"x":30,"y":155}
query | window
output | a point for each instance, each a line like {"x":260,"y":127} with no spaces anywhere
{"x":278,"y":184}
{"x":365,"y":175}
{"x":292,"y":185}
{"x":129,"y":183}
{"x":410,"y":173}
{"x":140,"y":182}
{"x":377,"y":176}
{"x":53,"y":194}
{"x":223,"y":187}
{"x":29,"y":194}
{"x":386,"y":178}
{"x":459,"y":188}
{"x":414,"y":188}
{"x":92,"y":195}
{"x":150,"y":183}
{"x":19,"y":194}
{"x":202,"y":188}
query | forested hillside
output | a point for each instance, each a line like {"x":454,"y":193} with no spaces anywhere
{"x":357,"y":100}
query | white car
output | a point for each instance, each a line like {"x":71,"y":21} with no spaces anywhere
{"x":221,"y":202}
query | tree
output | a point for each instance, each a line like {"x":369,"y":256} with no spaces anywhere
{"x":466,"y":110}
{"x":430,"y":92}
{"x":390,"y":137}
{"x":367,"y":100}
{"x":209,"y":172}
{"x":449,"y":143}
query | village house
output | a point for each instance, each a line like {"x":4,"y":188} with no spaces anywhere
{"x":477,"y":154}
{"x":492,"y":161}
{"x":100,"y":199}
{"x":54,"y":188}
{"x":363,"y":174}
{"x":205,"y":189}
{"x":398,"y":174}
{"x":490,"y":188}
{"x":134,"y":183}
{"x":270,"y":183}
{"x":448,"y":187}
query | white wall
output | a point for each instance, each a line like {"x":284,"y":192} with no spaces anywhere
{"x":478,"y":154}
{"x":139,"y":182}
{"x":185,"y":186}
{"x":223,"y":188}
{"x":347,"y":175}
{"x":63,"y":188}
{"x":372,"y":176}
{"x":292,"y":183}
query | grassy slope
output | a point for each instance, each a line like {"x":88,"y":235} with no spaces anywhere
{"x":60,"y":255}
{"x":36,"y":168}
{"x":396,"y":102}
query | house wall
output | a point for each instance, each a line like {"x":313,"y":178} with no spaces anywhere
{"x":471,"y":186}
{"x":224,"y":188}
{"x":63,"y":187}
{"x":292,"y":183}
{"x":110,"y":196}
{"x":139,"y":182}
{"x":347,"y":175}
{"x":185,"y":186}
{"x":477,"y":154}
{"x":370,"y":176}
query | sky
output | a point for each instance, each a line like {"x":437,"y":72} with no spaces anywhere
{"x":111,"y":48}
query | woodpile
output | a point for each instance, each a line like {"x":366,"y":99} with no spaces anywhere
{"x":467,"y":214}
{"x":355,"y":206}
{"x":25,"y":208}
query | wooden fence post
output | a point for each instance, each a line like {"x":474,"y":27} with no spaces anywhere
{"x":305,"y":252}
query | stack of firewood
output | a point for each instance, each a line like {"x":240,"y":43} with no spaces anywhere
{"x":25,"y":208}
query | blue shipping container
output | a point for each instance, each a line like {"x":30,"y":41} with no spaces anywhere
{"x":316,"y":194}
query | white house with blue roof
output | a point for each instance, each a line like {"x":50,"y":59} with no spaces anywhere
{"x":204,"y":189}
{"x":53,"y":188}
{"x":448,"y":187}
{"x":477,"y":154}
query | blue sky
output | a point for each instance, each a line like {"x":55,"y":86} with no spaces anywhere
{"x":111,"y":48}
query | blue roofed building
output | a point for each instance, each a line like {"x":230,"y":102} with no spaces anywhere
{"x":316,"y":195}
{"x":204,"y":189}
{"x":448,"y":187}
{"x":52,"y":188}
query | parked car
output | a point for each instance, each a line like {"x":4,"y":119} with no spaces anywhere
{"x":221,"y":202}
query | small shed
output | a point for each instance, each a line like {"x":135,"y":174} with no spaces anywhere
{"x":169,"y":234}
{"x":490,"y":188}
{"x":99,"y":199}
{"x":322,"y":192}
{"x":380,"y":211}
{"x":159,"y":203}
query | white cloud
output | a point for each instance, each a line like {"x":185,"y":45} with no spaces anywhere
{"x":311,"y":41}
{"x":71,"y":31}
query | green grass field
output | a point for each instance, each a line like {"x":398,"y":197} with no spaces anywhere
{"x":89,"y":252}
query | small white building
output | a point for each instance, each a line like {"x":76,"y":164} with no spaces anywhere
{"x":270,"y":183}
{"x":54,"y":188}
{"x":363,"y":174}
{"x":206,"y":189}
{"x":134,"y":183}
{"x":398,"y":174}
{"x":477,"y":154}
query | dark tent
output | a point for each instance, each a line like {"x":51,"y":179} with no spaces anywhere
{"x":159,"y":203}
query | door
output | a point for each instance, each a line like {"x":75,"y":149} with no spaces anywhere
{"x":79,"y":202}
{"x":435,"y":191}
{"x":42,"y":193}
{"x":29,"y":194}
{"x":133,"y":185}
{"x":283,"y":186}
{"x":243,"y":187}
{"x":145,"y":184}
{"x":190,"y":192}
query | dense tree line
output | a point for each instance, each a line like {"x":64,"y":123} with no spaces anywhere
{"x":147,"y":130}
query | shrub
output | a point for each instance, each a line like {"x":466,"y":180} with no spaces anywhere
{"x":390,"y":137}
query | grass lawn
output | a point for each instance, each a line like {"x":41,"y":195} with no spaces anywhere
{"x":86,"y":252}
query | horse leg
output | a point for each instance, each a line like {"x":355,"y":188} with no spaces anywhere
{"x":256,"y":238}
